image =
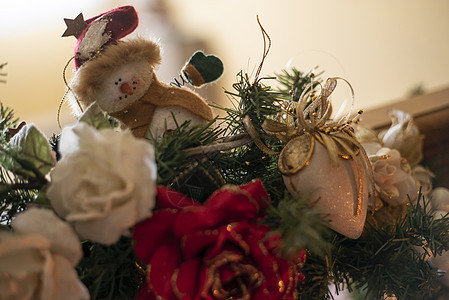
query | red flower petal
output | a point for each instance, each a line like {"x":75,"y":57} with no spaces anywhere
{"x":209,"y":243}
{"x":195,"y":243}
{"x":273,"y":240}
{"x":160,"y":271}
{"x":234,"y":204}
{"x":153,"y":232}
{"x":227,"y":205}
{"x":168,"y":198}
{"x":225,"y":239}
{"x":258,"y":192}
{"x":194,"y":219}
{"x":265,"y":260}
{"x":262,"y":293}
{"x":204,"y":284}
{"x":302,"y":256}
{"x":226,"y":273}
{"x":240,"y":202}
{"x":185,"y":279}
{"x":279,"y":273}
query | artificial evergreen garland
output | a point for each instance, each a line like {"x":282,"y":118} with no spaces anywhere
{"x":383,"y":261}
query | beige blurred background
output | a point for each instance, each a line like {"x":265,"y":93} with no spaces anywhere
{"x":384,"y":48}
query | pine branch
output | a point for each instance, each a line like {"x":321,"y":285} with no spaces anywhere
{"x":222,"y":145}
{"x":20,"y":180}
{"x":389,"y":261}
{"x":254,"y":99}
{"x":7,"y":120}
{"x":301,"y":226}
{"x":293,"y":82}
{"x":177,"y":167}
{"x":54,"y":144}
{"x":111,"y":272}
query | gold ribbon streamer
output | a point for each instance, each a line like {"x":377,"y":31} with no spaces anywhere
{"x":253,"y":133}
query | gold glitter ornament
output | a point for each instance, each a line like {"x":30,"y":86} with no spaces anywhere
{"x":339,"y":192}
{"x":323,"y":159}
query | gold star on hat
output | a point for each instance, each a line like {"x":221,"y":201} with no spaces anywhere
{"x":75,"y":26}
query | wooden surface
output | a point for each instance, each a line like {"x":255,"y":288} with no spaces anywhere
{"x":431,"y":113}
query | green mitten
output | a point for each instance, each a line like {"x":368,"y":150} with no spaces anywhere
{"x":202,"y":69}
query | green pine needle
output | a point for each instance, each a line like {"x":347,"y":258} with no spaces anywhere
{"x":170,"y":157}
{"x":111,"y":272}
{"x":302,"y":226}
{"x":293,"y":82}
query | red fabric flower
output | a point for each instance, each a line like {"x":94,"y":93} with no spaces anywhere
{"x":214,"y":251}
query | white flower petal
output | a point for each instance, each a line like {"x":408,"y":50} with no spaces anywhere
{"x":404,"y":136}
{"x":45,"y":223}
{"x":66,"y":284}
{"x":393,"y":178}
{"x":29,"y":269}
{"x":440,"y":199}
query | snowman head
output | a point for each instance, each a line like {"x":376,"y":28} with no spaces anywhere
{"x":112,"y":72}
{"x":118,"y":77}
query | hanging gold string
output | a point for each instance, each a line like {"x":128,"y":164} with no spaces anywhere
{"x":266,"y":49}
{"x":66,"y":92}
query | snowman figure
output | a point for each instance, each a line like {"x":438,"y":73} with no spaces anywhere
{"x":119,"y":76}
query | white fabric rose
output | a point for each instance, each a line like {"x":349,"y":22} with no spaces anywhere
{"x":404,"y":136}
{"x":37,"y":261}
{"x":423,"y":177}
{"x":369,"y":140}
{"x":439,"y":199}
{"x":105,"y":182}
{"x":393,"y":177}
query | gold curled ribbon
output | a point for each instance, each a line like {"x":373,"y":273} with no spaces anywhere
{"x":311,"y":115}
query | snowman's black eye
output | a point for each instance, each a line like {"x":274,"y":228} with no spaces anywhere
{"x":134,"y":88}
{"x":134,"y":82}
{"x":119,"y":79}
{"x":126,"y":96}
{"x":120,"y":98}
{"x":116,"y":83}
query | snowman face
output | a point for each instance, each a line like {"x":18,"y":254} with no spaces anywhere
{"x":125,"y":85}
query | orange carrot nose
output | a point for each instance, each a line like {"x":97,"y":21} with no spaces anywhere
{"x":125,"y":88}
